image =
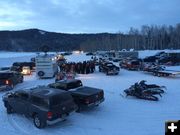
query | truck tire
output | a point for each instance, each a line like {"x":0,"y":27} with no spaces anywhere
{"x":40,"y":73}
{"x":9,"y":109}
{"x":38,"y":122}
{"x":79,"y":109}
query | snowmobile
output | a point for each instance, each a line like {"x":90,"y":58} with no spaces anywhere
{"x":141,"y":95}
{"x":152,"y":88}
{"x":144,"y":91}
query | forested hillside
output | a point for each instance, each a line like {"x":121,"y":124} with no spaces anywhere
{"x":148,"y":37}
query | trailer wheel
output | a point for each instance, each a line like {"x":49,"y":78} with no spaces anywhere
{"x":41,"y":73}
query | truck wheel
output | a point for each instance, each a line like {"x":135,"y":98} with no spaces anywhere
{"x":38,"y":122}
{"x":9,"y":109}
{"x":79,"y":109}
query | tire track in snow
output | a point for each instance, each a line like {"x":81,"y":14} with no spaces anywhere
{"x":16,"y":126}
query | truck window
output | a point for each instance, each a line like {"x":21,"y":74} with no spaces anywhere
{"x":39,"y":101}
{"x":73,"y":85}
{"x":59,"y":99}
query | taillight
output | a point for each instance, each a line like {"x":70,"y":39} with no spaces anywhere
{"x":7,"y":82}
{"x":49,"y":115}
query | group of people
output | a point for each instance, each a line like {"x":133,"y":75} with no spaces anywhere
{"x":84,"y":67}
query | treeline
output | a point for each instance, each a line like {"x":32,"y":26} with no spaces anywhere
{"x":148,"y":37}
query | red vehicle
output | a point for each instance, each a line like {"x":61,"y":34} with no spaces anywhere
{"x":64,"y":76}
{"x":131,"y":64}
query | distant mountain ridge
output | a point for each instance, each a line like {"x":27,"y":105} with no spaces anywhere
{"x":33,"y":39}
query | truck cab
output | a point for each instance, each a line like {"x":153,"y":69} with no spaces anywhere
{"x":44,"y":105}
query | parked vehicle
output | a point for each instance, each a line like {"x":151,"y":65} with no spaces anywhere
{"x":66,"y":53}
{"x":165,"y":73}
{"x":45,"y":105}
{"x":151,"y":67}
{"x":25,"y":64}
{"x":64,"y":76}
{"x":26,"y":70}
{"x":8,"y":79}
{"x":84,"y":96}
{"x":89,"y":53}
{"x":46,"y":66}
{"x":145,"y":91}
{"x":158,"y":70}
{"x":116,"y":59}
{"x":5,"y":68}
{"x":131,"y":64}
{"x":109,"y":68}
{"x":16,"y":68}
{"x":151,"y":59}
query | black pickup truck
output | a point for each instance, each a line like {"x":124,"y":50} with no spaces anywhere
{"x":83,"y":96}
{"x":45,"y":105}
{"x":26,"y":64}
{"x":8,"y":79}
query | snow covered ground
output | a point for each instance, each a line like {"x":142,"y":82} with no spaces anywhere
{"x":116,"y":116}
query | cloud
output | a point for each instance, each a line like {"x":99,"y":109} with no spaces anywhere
{"x":6,"y":24}
{"x":87,"y":15}
{"x":12,"y":15}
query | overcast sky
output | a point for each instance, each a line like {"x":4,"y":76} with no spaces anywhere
{"x":87,"y":16}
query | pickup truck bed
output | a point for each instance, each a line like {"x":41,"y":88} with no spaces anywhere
{"x":88,"y":91}
{"x":84,"y":96}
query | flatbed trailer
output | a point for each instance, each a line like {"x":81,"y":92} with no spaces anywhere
{"x":166,"y":73}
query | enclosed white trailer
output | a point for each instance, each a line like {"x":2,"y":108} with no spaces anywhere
{"x":46,"y":66}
